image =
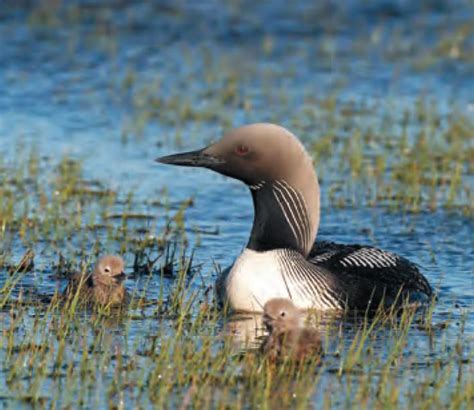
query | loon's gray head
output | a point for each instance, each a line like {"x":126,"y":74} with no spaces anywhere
{"x":279,"y":172}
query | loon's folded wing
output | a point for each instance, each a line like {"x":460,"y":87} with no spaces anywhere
{"x":364,"y":272}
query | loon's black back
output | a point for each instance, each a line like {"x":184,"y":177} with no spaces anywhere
{"x":364,"y":273}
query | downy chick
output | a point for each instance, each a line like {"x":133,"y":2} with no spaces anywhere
{"x":288,"y":337}
{"x":104,"y":286}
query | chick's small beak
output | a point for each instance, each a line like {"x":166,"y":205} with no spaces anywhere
{"x":120,"y":277}
{"x":199,"y":158}
{"x":267,"y":321}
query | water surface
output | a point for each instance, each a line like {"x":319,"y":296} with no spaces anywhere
{"x":117,"y":85}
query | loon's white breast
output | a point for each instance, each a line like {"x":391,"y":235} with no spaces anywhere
{"x":254,"y":278}
{"x":257,"y":277}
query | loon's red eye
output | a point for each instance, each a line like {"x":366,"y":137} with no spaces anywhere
{"x":242,"y":150}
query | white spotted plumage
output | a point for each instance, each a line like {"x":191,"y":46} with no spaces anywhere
{"x":257,"y":186}
{"x":369,"y":257}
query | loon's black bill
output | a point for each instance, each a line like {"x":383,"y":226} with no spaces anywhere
{"x":191,"y":159}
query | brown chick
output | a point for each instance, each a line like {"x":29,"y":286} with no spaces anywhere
{"x":288,"y":338}
{"x":104,"y":286}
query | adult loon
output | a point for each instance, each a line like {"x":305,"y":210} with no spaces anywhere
{"x":281,"y":259}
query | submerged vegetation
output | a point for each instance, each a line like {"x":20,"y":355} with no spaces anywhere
{"x":365,"y":85}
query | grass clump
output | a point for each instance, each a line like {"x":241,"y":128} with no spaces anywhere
{"x":172,"y":346}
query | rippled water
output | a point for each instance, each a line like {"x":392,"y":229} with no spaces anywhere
{"x":72,"y":85}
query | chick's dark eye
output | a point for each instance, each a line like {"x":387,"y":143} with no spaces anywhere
{"x":107,"y":269}
{"x":242,"y":150}
{"x":283,"y":314}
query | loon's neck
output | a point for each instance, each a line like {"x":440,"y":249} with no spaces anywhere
{"x":285,"y":216}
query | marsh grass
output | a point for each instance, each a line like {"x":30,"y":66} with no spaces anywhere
{"x":53,"y":356}
{"x":53,"y":206}
{"x":413,"y":156}
{"x":172,"y":347}
{"x":431,"y":169}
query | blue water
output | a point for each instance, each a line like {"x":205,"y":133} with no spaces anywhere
{"x":109,"y":84}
